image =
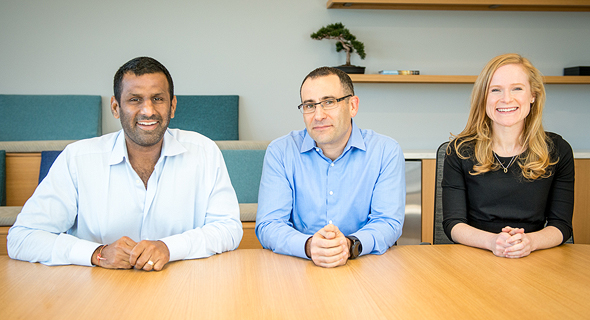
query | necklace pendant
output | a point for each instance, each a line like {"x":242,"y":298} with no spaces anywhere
{"x":505,"y":170}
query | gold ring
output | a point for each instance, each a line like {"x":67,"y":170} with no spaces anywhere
{"x":151,"y":263}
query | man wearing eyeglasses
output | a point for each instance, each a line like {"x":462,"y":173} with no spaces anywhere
{"x":331,"y":192}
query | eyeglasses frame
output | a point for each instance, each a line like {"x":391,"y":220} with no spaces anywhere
{"x":320,"y":103}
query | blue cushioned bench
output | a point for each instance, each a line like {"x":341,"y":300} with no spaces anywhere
{"x":49,"y":117}
{"x":244,"y":161}
{"x":32,"y":123}
{"x":215,"y":117}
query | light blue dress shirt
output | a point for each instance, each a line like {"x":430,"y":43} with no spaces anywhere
{"x":362,"y":192}
{"x":92,"y":196}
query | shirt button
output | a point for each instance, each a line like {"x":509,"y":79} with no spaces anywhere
{"x":138,"y":181}
{"x":317,"y":149}
{"x":332,"y":164}
{"x":331,"y":192}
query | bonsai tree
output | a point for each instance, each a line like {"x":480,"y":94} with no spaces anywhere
{"x":346,"y":41}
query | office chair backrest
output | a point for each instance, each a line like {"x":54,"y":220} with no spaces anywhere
{"x":439,"y":234}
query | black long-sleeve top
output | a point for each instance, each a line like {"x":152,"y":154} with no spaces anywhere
{"x":495,"y":199}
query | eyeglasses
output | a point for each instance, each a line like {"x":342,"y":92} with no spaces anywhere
{"x":327,"y":104}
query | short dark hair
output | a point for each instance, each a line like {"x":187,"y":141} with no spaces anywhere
{"x":140,"y":66}
{"x":345,"y":80}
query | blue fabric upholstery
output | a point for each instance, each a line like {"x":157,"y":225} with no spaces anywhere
{"x":47,"y":159}
{"x":2,"y":178}
{"x":49,"y":117}
{"x":245,"y":169}
{"x":215,"y":117}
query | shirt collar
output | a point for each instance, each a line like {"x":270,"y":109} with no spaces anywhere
{"x":355,"y":140}
{"x":170,"y":147}
{"x":308,"y":143}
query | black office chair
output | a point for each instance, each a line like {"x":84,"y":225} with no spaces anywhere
{"x":439,"y":234}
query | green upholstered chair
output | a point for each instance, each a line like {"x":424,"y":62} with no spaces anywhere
{"x":215,"y":117}
{"x":50,"y":117}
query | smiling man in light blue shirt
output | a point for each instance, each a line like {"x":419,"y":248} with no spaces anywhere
{"x":139,"y":197}
{"x":331,"y":192}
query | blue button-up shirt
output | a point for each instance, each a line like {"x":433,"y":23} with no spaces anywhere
{"x":362,"y":192}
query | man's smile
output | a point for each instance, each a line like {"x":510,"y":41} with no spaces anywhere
{"x":147,"y":124}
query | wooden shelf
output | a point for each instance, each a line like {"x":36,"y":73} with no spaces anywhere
{"x":498,"y":5}
{"x":380,"y":78}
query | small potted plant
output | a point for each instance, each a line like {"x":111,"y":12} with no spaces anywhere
{"x":346,"y":42}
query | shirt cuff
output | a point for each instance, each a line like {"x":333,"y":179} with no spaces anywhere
{"x":367,"y":241}
{"x":177,"y":246}
{"x":297,"y":245}
{"x":81,"y":253}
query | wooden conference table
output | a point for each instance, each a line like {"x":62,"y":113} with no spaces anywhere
{"x":407,"y":282}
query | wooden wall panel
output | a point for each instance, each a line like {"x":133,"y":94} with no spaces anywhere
{"x":581,"y":220}
{"x":3,"y":234}
{"x":428,"y":184}
{"x":22,"y":175}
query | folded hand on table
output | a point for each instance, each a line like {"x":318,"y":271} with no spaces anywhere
{"x":328,"y":247}
{"x":126,"y":253}
{"x":512,"y":243}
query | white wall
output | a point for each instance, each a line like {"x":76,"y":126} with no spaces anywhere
{"x":261,"y":50}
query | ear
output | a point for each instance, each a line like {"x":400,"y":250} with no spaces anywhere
{"x":173,"y":107}
{"x":353,"y":105}
{"x":114,"y":107}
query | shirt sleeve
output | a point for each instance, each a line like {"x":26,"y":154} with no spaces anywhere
{"x":560,"y":204}
{"x":454,"y":192}
{"x":222,"y":230}
{"x":274,"y":229}
{"x":388,"y":205}
{"x":38,"y":234}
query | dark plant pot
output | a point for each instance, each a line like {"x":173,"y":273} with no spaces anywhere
{"x":351,"y":69}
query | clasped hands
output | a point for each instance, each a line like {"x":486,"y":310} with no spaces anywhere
{"x":328,"y":247}
{"x":512,"y":243}
{"x":126,"y":254}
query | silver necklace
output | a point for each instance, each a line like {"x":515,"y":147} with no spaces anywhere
{"x":500,"y":162}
